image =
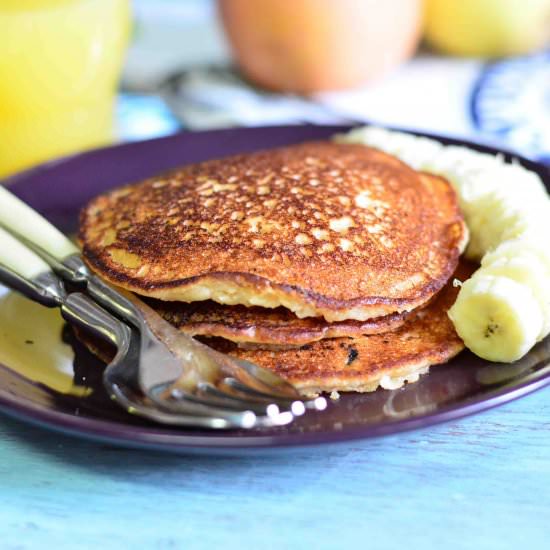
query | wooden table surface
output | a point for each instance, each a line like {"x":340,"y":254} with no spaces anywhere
{"x":480,"y":483}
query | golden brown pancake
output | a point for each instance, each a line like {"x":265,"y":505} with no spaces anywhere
{"x":341,"y":231}
{"x":359,"y":364}
{"x":365,"y":363}
{"x":262,"y":327}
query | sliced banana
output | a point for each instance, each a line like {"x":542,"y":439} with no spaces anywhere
{"x":500,"y":216}
{"x":461,"y":166}
{"x":523,"y":246}
{"x":496,"y":317}
{"x":413,"y":150}
{"x":532,"y":227}
{"x":532,"y":273}
{"x":416,"y":151}
{"x":510,"y":179}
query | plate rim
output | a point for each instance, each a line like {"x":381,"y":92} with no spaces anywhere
{"x":156,"y":438}
{"x":149,"y":436}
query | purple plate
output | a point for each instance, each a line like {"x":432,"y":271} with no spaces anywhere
{"x":48,"y":379}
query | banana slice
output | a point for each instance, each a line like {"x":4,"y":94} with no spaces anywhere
{"x":531,"y":225}
{"x":532,"y":273}
{"x":413,"y":150}
{"x":461,"y":165}
{"x":522,"y":247}
{"x":497,"y":317}
{"x":509,"y":180}
{"x":504,"y":215}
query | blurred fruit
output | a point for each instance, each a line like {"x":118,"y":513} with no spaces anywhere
{"x":312,"y":45}
{"x":487,"y":28}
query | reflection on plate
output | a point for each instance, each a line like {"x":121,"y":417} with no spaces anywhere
{"x":48,"y":378}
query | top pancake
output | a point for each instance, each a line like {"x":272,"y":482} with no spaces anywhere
{"x":324,"y":229}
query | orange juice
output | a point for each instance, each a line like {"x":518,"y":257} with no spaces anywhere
{"x":59,"y":66}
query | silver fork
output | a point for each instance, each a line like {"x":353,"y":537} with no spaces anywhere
{"x":187,"y":374}
{"x":77,"y":308}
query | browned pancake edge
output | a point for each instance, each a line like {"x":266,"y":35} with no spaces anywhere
{"x":262,"y":327}
{"x":365,"y":363}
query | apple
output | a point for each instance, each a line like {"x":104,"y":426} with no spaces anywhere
{"x":307,"y":46}
{"x":487,"y":28}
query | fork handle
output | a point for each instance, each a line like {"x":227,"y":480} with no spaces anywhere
{"x":20,"y":259}
{"x":23,"y":270}
{"x":20,"y":218}
{"x":84,"y":312}
{"x":19,"y":222}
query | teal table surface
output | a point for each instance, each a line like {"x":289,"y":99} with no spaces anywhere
{"x":480,"y":483}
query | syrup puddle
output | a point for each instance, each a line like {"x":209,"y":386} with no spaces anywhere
{"x":31,"y":344}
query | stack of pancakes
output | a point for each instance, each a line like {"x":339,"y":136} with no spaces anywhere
{"x":327,"y":263}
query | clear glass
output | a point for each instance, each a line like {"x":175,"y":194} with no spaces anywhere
{"x":60,"y":62}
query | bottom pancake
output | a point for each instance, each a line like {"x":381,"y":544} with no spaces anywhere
{"x":364,"y":363}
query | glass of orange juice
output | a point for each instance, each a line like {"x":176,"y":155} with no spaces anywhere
{"x":60,"y":61}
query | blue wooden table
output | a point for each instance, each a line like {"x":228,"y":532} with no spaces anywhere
{"x":480,"y":483}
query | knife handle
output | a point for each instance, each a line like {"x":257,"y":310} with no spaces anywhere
{"x":21,"y":219}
